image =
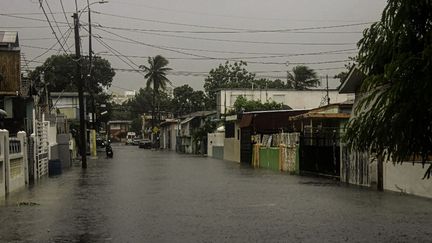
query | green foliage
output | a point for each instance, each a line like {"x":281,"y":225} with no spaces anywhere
{"x":394,"y":117}
{"x":344,"y":74}
{"x":136,"y":125}
{"x":242,"y":104}
{"x":227,"y":76}
{"x":156,"y":72}
{"x":59,"y":72}
{"x":186,"y":100}
{"x":201,"y":132}
{"x":302,"y":77}
{"x":235,"y":75}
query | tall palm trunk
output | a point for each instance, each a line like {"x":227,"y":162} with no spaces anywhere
{"x":153,"y":112}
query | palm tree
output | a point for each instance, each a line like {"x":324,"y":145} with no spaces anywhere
{"x":302,"y":77}
{"x":156,"y":76}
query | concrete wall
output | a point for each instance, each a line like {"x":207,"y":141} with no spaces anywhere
{"x":214,"y":139}
{"x":290,"y":161}
{"x":232,"y":149}
{"x":296,"y":99}
{"x":64,"y":153}
{"x":13,"y":160}
{"x":52,"y":140}
{"x":4,"y":137}
{"x":407,"y":178}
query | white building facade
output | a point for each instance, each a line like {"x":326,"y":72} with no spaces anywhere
{"x":296,"y":99}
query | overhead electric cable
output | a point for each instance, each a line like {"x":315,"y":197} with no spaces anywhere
{"x":58,"y":28}
{"x":241,"y":41}
{"x":227,"y":28}
{"x":52,"y":29}
{"x":64,"y":13}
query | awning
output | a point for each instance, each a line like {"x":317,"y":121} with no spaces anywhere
{"x":246,"y":120}
{"x":187,"y":120}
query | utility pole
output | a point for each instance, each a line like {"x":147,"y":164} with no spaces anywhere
{"x":79,"y":82}
{"x":328,"y":97}
{"x":91,"y":62}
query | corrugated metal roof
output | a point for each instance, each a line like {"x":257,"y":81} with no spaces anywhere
{"x":8,"y":37}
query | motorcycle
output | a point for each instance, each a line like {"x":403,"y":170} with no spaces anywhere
{"x":108,"y":150}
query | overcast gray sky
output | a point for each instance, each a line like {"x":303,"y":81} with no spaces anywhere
{"x":198,"y":35}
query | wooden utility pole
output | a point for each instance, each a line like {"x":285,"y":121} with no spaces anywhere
{"x":79,"y":83}
{"x":327,"y":88}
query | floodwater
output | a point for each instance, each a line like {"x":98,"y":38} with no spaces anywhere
{"x":157,"y":196}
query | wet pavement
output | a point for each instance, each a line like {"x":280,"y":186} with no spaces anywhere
{"x":154,"y":196}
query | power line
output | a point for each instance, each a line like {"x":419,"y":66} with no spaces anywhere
{"x":304,"y":30}
{"x":223,"y":28}
{"x":240,"y":41}
{"x":235,"y":16}
{"x":118,"y":55}
{"x":64,"y":13}
{"x":58,"y":28}
{"x":225,"y":52}
{"x":272,"y":54}
{"x":216,"y":58}
{"x":335,"y":52}
{"x":28,"y":27}
{"x":27,"y":18}
{"x":52,"y":29}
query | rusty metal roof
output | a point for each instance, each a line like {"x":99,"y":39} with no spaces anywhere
{"x":9,"y":40}
{"x":320,"y":116}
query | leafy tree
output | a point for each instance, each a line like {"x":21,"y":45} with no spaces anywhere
{"x":344,"y":74}
{"x":142,"y":102}
{"x":227,"y":76}
{"x":302,"y":77}
{"x":59,"y":72}
{"x":187,"y":100}
{"x":394,"y":117}
{"x":156,"y":77}
{"x":269,"y":84}
{"x":242,"y":104}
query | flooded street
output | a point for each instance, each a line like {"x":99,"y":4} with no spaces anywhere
{"x":157,"y":196}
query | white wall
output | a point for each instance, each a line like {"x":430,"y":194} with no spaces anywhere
{"x":214,"y":139}
{"x":4,"y":139}
{"x":407,"y":178}
{"x":296,"y":99}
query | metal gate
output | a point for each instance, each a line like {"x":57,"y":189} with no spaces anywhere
{"x":41,"y":149}
{"x":246,"y":146}
{"x":320,"y":155}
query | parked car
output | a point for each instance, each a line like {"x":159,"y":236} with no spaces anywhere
{"x":145,"y":143}
{"x":130,"y":137}
{"x":136,"y":141}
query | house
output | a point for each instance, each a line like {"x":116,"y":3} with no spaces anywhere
{"x":189,"y":128}
{"x":117,"y":130}
{"x":231,"y":151}
{"x":121,"y":98}
{"x":14,"y":99}
{"x":215,"y":143}
{"x":67,"y":103}
{"x":258,"y":126}
{"x":168,"y":134}
{"x":321,"y":130}
{"x":295,"y":99}
{"x":361,"y":168}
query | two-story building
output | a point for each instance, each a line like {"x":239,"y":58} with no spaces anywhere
{"x":295,"y":99}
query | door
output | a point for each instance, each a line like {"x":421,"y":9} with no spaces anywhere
{"x":246,"y":146}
